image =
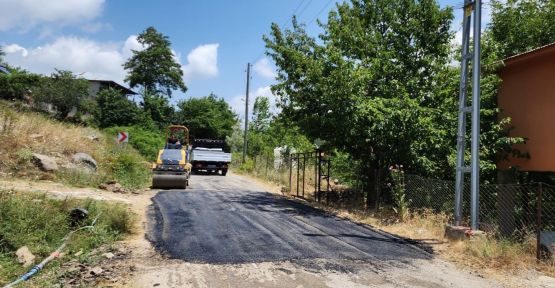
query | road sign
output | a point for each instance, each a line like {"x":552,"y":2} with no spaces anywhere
{"x":123,"y":137}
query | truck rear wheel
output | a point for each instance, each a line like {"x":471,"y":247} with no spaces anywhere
{"x":224,"y":172}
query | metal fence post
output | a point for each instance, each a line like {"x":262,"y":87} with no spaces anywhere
{"x":298,"y":172}
{"x":304,"y":169}
{"x":539,"y":221}
{"x":316,"y":176}
{"x":290,"y":173}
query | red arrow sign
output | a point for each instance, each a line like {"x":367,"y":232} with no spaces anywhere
{"x":123,"y":137}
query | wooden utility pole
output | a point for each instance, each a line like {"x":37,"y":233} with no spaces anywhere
{"x":246,"y":113}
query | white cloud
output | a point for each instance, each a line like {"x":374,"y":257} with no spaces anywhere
{"x":263,"y":68}
{"x":101,"y":60}
{"x":82,"y":56}
{"x":26,"y":14}
{"x":202,"y":62}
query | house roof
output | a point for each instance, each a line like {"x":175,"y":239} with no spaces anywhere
{"x":4,"y":69}
{"x":114,"y":85}
{"x":543,"y":50}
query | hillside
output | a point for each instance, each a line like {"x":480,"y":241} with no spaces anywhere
{"x":73,"y":154}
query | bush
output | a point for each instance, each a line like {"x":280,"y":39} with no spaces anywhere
{"x":127,"y":167}
{"x":40,"y":223}
{"x":115,"y":110}
{"x":147,"y":142}
{"x":17,"y":84}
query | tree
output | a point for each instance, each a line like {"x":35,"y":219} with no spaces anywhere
{"x":63,"y":90}
{"x":155,"y":68}
{"x":207,"y":117}
{"x":372,"y":87}
{"x":261,"y":115}
{"x":18,"y":84}
{"x":158,"y":109}
{"x":518,"y":26}
{"x":116,"y":110}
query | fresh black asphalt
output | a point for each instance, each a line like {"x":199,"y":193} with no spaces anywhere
{"x":228,"y":220}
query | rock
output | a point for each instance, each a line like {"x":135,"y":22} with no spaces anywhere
{"x":108,"y":255}
{"x":113,"y":187}
{"x":44,"y":162}
{"x":96,"y":271}
{"x":24,"y":256}
{"x":36,"y":136}
{"x":93,"y":137}
{"x":84,"y":158}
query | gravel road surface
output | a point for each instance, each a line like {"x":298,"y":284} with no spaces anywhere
{"x":224,"y":227}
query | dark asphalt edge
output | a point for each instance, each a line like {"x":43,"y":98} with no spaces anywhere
{"x":303,"y":201}
{"x":414,"y":244}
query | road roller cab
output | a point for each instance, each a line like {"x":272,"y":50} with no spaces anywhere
{"x":172,"y":168}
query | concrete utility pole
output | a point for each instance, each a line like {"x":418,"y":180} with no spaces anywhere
{"x":474,"y":109}
{"x":246,"y":112}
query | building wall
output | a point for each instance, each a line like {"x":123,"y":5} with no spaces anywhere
{"x":527,"y":96}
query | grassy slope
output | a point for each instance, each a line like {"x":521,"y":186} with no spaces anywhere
{"x":23,"y":133}
{"x":41,"y":223}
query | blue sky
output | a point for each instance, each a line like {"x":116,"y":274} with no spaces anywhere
{"x":213,"y":40}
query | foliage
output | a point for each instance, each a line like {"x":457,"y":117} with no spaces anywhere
{"x":116,"y":110}
{"x":158,"y":109}
{"x":206,"y":117}
{"x":398,"y":189}
{"x":63,"y":90}
{"x":518,"y":26}
{"x":127,"y":167}
{"x":373,"y":83}
{"x":40,"y":223}
{"x":236,"y":139}
{"x":155,"y":67}
{"x":18,"y":84}
{"x":261,"y":115}
{"x":147,"y":142}
{"x":2,"y":54}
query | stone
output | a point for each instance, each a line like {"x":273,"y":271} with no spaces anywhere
{"x":24,"y":256}
{"x":108,"y":255}
{"x":462,"y":233}
{"x":45,"y":163}
{"x":84,"y":158}
{"x":96,"y":271}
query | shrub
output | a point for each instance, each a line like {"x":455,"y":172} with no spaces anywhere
{"x":147,"y":142}
{"x":17,"y":84}
{"x":115,"y":110}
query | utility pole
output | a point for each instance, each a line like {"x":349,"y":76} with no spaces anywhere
{"x":471,"y":8}
{"x":246,"y":113}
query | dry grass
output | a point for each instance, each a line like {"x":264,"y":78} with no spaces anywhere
{"x":23,"y":133}
{"x":26,"y":133}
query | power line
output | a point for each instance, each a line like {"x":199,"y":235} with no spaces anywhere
{"x":320,"y":12}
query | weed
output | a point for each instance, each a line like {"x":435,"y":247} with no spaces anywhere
{"x":40,"y":223}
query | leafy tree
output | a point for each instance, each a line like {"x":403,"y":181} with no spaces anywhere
{"x":158,"y":109}
{"x":155,"y":67}
{"x":235,"y":140}
{"x":63,"y":90}
{"x":518,"y":26}
{"x":207,"y":117}
{"x":116,"y":110}
{"x":261,"y":115}
{"x":373,"y":85}
{"x":18,"y":84}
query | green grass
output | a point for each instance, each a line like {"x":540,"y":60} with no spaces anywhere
{"x":40,"y":223}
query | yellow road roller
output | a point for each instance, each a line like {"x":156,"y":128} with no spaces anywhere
{"x":172,"y":167}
